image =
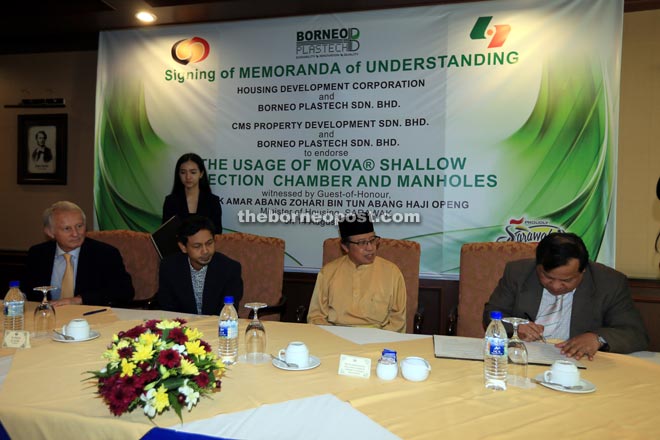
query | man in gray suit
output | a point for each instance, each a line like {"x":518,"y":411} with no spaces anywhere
{"x":585,"y":304}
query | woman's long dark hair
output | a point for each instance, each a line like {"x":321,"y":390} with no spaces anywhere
{"x":204,"y":186}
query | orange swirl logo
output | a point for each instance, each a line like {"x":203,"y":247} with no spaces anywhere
{"x":191,"y":50}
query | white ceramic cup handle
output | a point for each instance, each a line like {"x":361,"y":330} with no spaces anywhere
{"x":64,"y":329}
{"x":547,"y":376}
{"x":281,"y":354}
{"x":427,"y":364}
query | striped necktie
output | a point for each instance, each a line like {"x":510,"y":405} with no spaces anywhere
{"x":549,"y":318}
{"x":67,"y":279}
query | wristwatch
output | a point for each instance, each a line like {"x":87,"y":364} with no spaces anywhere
{"x":604,"y":346}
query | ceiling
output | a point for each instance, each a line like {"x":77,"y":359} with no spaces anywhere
{"x":46,"y":25}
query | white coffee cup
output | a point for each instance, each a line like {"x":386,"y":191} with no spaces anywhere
{"x":295,"y":353}
{"x":564,"y":373}
{"x":415,"y":369}
{"x":387,"y":369}
{"x":77,"y":328}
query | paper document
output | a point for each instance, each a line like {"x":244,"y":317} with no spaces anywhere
{"x":459,"y":347}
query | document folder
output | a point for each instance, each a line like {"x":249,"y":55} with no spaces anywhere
{"x":164,"y":238}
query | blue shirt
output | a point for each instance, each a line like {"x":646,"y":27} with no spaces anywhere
{"x":59,"y":265}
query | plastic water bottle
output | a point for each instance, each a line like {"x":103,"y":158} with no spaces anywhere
{"x":495,"y":353}
{"x":14,"y":309}
{"x":228,"y":332}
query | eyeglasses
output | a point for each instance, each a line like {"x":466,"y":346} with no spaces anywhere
{"x":364,"y":243}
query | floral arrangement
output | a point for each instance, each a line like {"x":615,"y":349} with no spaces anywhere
{"x":158,"y":365}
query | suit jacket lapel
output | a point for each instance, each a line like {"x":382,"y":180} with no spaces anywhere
{"x":187,"y":287}
{"x":212,"y":286}
{"x":530,"y":302}
{"x":582,"y":304}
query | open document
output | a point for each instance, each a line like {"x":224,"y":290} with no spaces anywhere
{"x":459,"y":347}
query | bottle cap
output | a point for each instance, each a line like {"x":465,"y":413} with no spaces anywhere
{"x":229,"y":300}
{"x":495,"y":314}
{"x":14,"y":283}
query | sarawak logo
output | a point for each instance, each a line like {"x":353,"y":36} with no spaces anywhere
{"x":481,"y":30}
{"x":528,"y":230}
{"x":192,"y":50}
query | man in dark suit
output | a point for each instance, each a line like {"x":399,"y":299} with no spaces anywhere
{"x":42,"y":154}
{"x":585,"y":304}
{"x":197,"y":280}
{"x":85,"y":271}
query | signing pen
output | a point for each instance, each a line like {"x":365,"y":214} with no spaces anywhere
{"x":531,"y":320}
{"x":91,"y":312}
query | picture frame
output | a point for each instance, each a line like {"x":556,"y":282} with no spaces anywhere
{"x":42,"y":149}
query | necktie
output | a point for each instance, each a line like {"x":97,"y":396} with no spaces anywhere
{"x":67,"y":279}
{"x":549,"y":317}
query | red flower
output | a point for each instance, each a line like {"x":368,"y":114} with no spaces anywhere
{"x":177,"y":335}
{"x":169,"y":358}
{"x":202,"y":379}
{"x":133,"y":332}
{"x":125,"y":352}
{"x":206,"y":345}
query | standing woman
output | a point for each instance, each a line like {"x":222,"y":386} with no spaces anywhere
{"x":191,"y":193}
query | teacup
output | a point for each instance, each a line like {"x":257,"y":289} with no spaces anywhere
{"x":563,"y":373}
{"x":77,"y":328}
{"x":415,"y":369}
{"x":295,"y":353}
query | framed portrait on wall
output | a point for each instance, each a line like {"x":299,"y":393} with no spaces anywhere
{"x":42,"y":149}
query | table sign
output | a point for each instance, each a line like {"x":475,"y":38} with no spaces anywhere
{"x":354,"y":366}
{"x":16,"y":339}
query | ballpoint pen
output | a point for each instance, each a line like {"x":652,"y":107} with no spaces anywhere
{"x":91,"y":312}
{"x":531,"y":320}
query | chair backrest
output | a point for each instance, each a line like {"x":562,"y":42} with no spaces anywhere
{"x":481,"y":267}
{"x":140,"y":258}
{"x":262,"y":267}
{"x":404,"y":253}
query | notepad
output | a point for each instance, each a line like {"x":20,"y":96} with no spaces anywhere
{"x":164,"y":238}
{"x":459,"y":347}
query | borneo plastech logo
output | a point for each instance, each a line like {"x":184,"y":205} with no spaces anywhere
{"x":481,"y":31}
{"x":335,"y":42}
{"x":191,"y":50}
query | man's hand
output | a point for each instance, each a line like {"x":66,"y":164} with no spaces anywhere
{"x":76,"y":300}
{"x":530,"y":332}
{"x":585,"y":344}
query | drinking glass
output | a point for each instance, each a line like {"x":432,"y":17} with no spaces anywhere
{"x":255,"y":337}
{"x":517,"y":365}
{"x":44,"y":314}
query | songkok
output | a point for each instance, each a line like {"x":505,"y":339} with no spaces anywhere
{"x":355,"y":225}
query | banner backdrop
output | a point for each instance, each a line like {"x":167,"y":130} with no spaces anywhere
{"x":490,"y":120}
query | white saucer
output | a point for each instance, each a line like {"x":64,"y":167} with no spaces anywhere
{"x":313,"y":363}
{"x":587,"y":387}
{"x":93,"y":334}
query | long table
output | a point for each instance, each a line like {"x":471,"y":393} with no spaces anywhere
{"x":45,"y":394}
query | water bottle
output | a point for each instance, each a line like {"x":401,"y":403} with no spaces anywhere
{"x":495,"y":353}
{"x":14,"y":310}
{"x":228,"y":332}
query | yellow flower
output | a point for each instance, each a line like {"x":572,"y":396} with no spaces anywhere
{"x":148,"y":338}
{"x":160,"y":399}
{"x":142,"y":352}
{"x":168,"y":324}
{"x":127,"y":368}
{"x":188,"y":368}
{"x":193,"y":334}
{"x":112,"y":355}
{"x":219,"y":365}
{"x":194,"y":348}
